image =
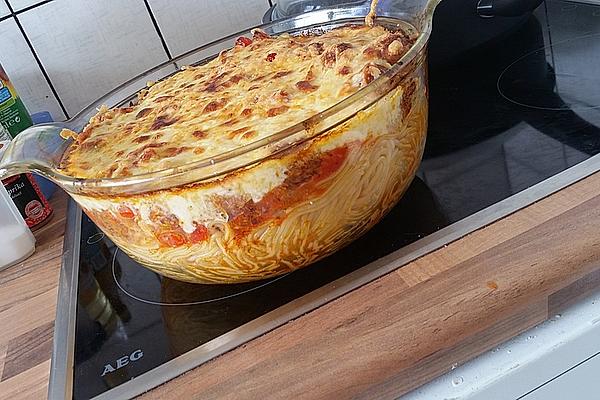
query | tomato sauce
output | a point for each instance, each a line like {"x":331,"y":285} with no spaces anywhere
{"x":301,"y":184}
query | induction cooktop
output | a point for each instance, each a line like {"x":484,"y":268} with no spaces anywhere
{"x":510,"y":123}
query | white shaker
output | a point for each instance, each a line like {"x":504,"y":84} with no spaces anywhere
{"x":16,"y":240}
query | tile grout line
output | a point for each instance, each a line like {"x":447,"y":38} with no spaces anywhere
{"x":158,"y":31}
{"x":22,"y":10}
{"x":41,"y":66}
{"x":35,"y":55}
{"x":12,"y":13}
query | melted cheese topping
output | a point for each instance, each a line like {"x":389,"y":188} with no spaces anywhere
{"x":259,"y":87}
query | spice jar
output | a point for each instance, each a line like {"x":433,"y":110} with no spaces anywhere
{"x":27,"y":196}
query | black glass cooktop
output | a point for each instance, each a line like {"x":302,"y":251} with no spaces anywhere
{"x":504,"y":115}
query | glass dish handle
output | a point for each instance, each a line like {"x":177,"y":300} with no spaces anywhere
{"x":37,"y":149}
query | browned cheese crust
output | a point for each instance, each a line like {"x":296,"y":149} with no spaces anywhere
{"x":260,"y":86}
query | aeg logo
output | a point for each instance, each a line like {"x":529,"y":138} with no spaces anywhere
{"x":123,"y":361}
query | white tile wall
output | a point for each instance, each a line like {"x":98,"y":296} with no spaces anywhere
{"x":186,"y":24}
{"x":21,"y":67}
{"x":21,"y":4}
{"x":89,"y":47}
{"x":4,"y":11}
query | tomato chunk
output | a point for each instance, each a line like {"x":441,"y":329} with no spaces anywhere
{"x":271,"y":57}
{"x":243,"y":41}
{"x":200,"y":234}
{"x":126,"y":212}
{"x":171,"y":238}
{"x":331,"y":162}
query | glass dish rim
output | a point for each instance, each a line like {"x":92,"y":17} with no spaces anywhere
{"x":372,"y":92}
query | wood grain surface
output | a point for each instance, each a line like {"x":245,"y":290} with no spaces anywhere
{"x":378,"y":341}
{"x":27,"y":310}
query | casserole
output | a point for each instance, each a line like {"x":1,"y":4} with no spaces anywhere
{"x":267,"y":206}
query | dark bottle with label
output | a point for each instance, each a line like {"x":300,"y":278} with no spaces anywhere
{"x":27,"y":196}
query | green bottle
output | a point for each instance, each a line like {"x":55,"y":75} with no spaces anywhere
{"x":13,"y":114}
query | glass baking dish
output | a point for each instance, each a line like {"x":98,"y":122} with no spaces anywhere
{"x":380,"y":133}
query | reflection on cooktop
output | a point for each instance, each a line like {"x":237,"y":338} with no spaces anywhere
{"x":566,"y":89}
{"x":515,"y":112}
{"x":126,"y":274}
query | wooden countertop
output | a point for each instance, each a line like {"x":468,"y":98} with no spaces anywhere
{"x":27,"y":310}
{"x":378,"y":341}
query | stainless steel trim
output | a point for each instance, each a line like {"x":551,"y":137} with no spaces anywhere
{"x":362,"y":276}
{"x":61,"y":370}
{"x":591,"y":2}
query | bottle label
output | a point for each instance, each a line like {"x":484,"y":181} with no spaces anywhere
{"x":6,"y":99}
{"x":4,"y":136}
{"x":13,"y":114}
{"x":27,"y":196}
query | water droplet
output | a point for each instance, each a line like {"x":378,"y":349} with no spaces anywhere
{"x":495,"y":350}
{"x":212,"y":162}
{"x":508,"y":351}
{"x":311,"y":202}
{"x":530,"y":337}
{"x":454,"y":366}
{"x":457,"y":380}
{"x":557,"y":316}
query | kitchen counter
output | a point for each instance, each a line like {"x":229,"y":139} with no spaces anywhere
{"x":28,"y":293}
{"x":378,"y":341}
